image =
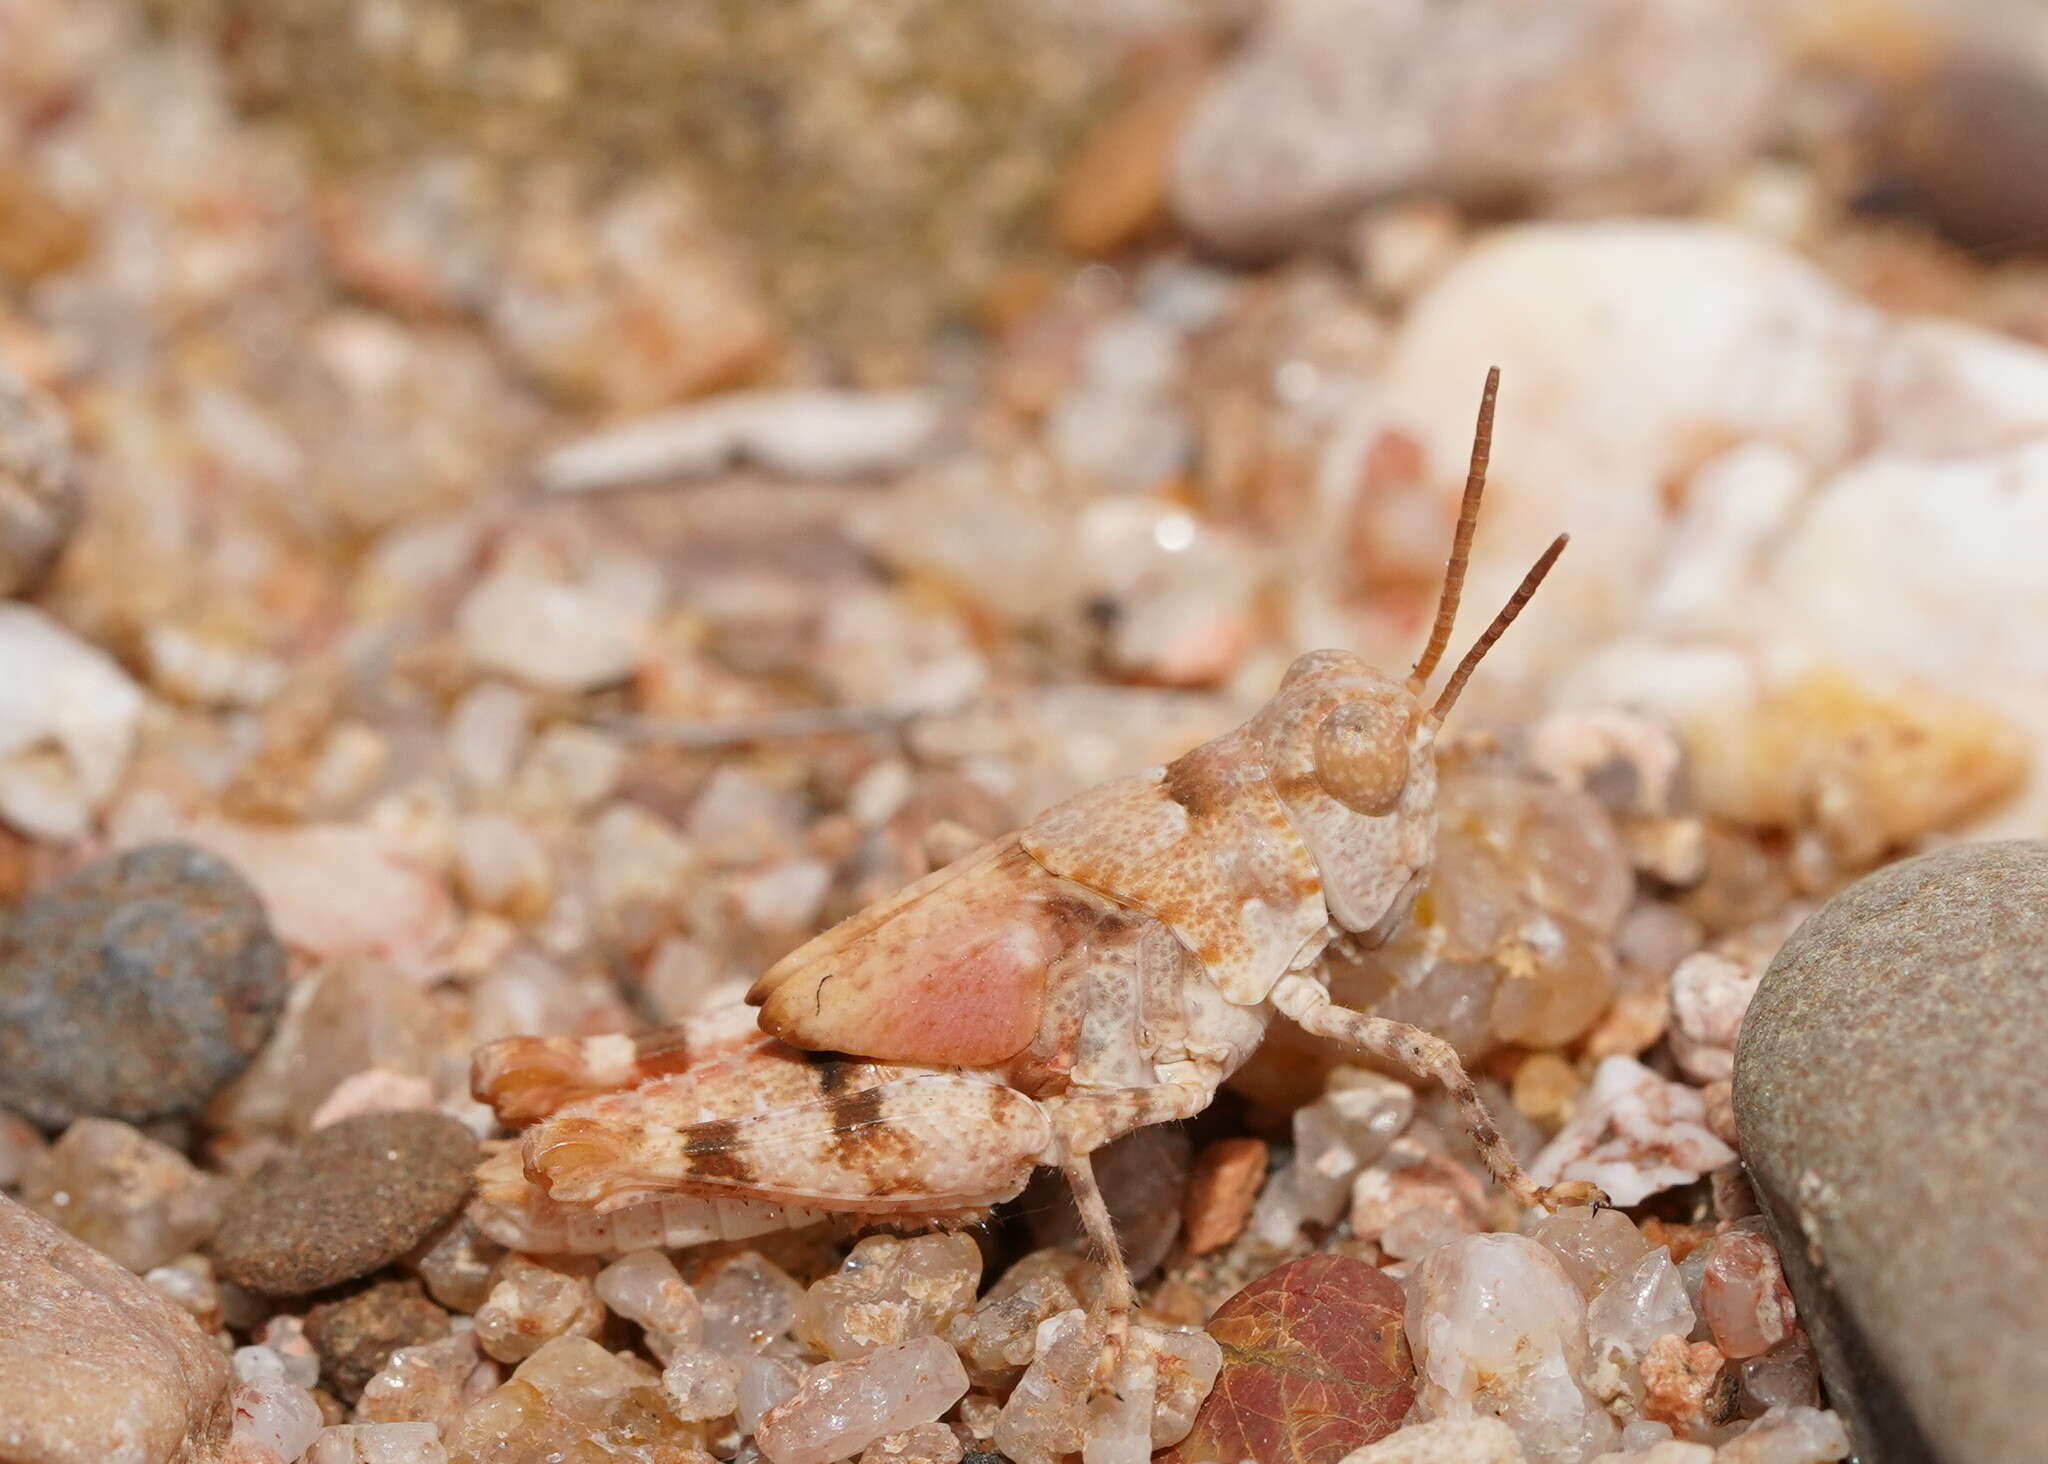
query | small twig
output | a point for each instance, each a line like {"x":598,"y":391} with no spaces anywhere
{"x":773,"y":727}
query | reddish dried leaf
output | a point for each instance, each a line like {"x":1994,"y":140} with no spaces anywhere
{"x":1315,"y":1364}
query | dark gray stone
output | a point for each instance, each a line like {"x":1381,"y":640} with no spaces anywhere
{"x":135,"y":989}
{"x":1890,"y":1094}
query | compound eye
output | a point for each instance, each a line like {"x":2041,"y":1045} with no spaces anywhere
{"x":1362,"y":752}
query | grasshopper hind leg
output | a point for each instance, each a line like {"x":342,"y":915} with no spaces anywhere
{"x":1308,"y":1004}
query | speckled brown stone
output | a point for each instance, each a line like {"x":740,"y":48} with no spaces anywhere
{"x":357,"y":1334}
{"x":345,"y":1201}
{"x":1891,"y":1091}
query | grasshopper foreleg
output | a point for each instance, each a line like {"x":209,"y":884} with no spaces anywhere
{"x":1305,"y":1002}
{"x":1084,"y":1121}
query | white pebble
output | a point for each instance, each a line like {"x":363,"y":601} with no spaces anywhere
{"x":1634,"y":1134}
{"x":379,"y":1443}
{"x":68,"y":716}
{"x":840,"y":1408}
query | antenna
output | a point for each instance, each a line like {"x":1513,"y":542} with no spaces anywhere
{"x":1501,"y":622}
{"x":1461,"y":540}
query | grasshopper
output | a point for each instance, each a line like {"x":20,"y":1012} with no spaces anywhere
{"x":1104,"y":968}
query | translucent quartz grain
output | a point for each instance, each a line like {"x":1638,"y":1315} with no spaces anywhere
{"x":535,"y":1302}
{"x":998,"y":1338}
{"x":1743,"y":1295}
{"x":839,"y":1408}
{"x":1359,"y":1114}
{"x":1595,"y":1245}
{"x":123,"y":1193}
{"x":1056,"y":1410}
{"x":889,"y":1291}
{"x":429,"y":1383}
{"x":1499,"y":1329}
{"x":1789,"y":1436}
{"x":701,"y":1384}
{"x":379,"y":1443}
{"x":928,"y":1443}
{"x":749,"y":1303}
{"x":643,"y":1286}
{"x":271,"y":1411}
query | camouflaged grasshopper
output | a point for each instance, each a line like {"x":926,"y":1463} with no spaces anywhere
{"x":1107,"y":967}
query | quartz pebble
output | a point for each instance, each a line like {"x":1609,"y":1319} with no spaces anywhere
{"x":534,"y":1302}
{"x":1444,"y":1441}
{"x":123,"y":1193}
{"x":428,"y":1383}
{"x":643,"y":1286}
{"x":1789,"y":1436}
{"x":749,"y":1303}
{"x":1743,"y":1295}
{"x":1595,"y":1244}
{"x":1340,"y":1133}
{"x":378,"y":1443}
{"x":344,"y":1201}
{"x":928,"y":1443}
{"x":1787,"y":1376}
{"x":554,"y":635}
{"x":459,"y":1266}
{"x":838,"y":1409}
{"x":573,"y":1397}
{"x":889,"y":1291}
{"x":136,"y":988}
{"x":1711,"y":989}
{"x":276,"y":1417}
{"x":94,"y":1364}
{"x":357,"y":1335}
{"x":1627,"y":1315}
{"x":68,"y":721}
{"x":701,"y":1384}
{"x":189,"y":1283}
{"x":41,"y":499}
{"x":1683,"y":1384}
{"x":1499,"y":1330}
{"x":1057,"y":1408}
{"x":1413,"y":1200}
{"x":1636,"y":1134}
{"x":997,"y":1338}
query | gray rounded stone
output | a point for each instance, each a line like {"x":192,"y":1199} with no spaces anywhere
{"x":1890,"y":1098}
{"x":135,"y":989}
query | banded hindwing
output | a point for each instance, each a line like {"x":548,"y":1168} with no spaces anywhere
{"x":797,"y":1129}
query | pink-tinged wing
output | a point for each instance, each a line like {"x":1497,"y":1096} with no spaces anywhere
{"x":1205,"y":845}
{"x":951,"y":972}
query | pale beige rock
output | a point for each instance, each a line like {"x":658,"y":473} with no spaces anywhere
{"x":1444,"y":1441}
{"x":95,"y":1366}
{"x":1573,"y":106}
{"x":1635,"y":1134}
